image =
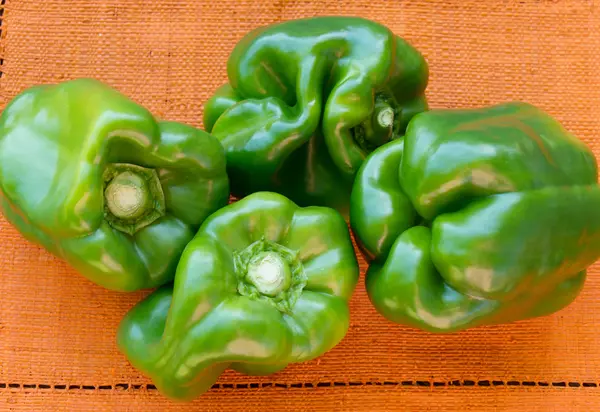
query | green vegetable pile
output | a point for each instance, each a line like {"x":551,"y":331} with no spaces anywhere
{"x":467,"y":217}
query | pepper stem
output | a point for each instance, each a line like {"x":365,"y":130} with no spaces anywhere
{"x":127,"y":196}
{"x":385,"y":116}
{"x":379,"y":128}
{"x":133,"y":197}
{"x":269,"y":273}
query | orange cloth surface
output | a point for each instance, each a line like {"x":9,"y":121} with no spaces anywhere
{"x":57,"y":330}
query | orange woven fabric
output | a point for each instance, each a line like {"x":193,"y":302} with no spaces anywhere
{"x":57,"y":330}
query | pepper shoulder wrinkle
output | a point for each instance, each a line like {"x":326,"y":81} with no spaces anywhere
{"x":308,"y":100}
{"x":264,"y":283}
{"x":477,"y":217}
{"x":95,"y":179}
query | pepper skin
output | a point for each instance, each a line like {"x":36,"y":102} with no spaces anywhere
{"x":264,"y":283}
{"x":95,"y":179}
{"x":308,"y":99}
{"x":477,"y":217}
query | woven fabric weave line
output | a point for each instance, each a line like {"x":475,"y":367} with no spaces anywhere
{"x":56,"y":328}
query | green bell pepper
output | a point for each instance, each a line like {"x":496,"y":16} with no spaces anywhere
{"x":477,"y":217}
{"x":264,"y":283}
{"x":96,"y":180}
{"x":308,"y":99}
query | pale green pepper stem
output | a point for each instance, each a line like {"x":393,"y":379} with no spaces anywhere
{"x":133,"y":197}
{"x":384,"y":113}
{"x":269,"y":273}
{"x":127,"y":196}
{"x":379,"y":128}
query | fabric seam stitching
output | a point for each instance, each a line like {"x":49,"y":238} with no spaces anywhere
{"x":2,"y":35}
{"x":262,"y":385}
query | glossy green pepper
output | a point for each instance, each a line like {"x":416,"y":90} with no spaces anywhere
{"x":477,"y":217}
{"x":95,"y":179}
{"x":308,"y":99}
{"x":264,"y":283}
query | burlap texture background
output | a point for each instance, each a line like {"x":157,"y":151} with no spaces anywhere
{"x":57,"y":331}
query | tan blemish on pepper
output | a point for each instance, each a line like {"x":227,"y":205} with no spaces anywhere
{"x":202,"y":309}
{"x":507,"y":120}
{"x":274,"y":76}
